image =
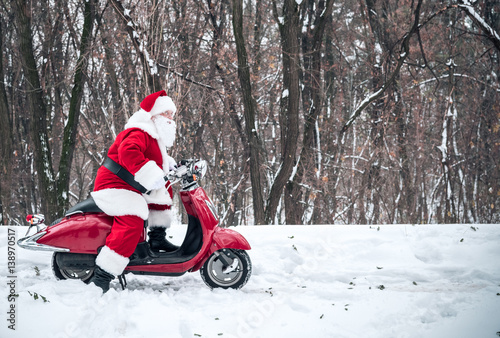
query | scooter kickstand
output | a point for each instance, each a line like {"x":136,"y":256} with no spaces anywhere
{"x":123,"y":281}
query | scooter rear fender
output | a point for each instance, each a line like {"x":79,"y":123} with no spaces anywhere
{"x":80,"y":233}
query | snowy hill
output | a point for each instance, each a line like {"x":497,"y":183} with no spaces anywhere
{"x":307,"y":281}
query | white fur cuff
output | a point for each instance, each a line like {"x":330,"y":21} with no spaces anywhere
{"x":120,"y":202}
{"x":149,"y":174}
{"x":158,"y":196}
{"x":160,"y":218}
{"x":111,"y":262}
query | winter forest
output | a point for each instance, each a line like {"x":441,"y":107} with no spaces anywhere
{"x":307,"y":111}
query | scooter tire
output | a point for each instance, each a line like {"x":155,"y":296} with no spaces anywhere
{"x":61,"y":274}
{"x":212,"y":272}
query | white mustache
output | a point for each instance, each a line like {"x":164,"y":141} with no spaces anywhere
{"x":166,"y":129}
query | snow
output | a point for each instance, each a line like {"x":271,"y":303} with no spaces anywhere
{"x":308,"y":281}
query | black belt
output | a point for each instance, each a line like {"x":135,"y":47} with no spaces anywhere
{"x":123,"y":173}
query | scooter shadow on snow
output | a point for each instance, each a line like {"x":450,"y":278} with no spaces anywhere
{"x":161,"y":284}
{"x":188,"y":282}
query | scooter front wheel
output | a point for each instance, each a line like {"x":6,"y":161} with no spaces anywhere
{"x":227,"y":268}
{"x":84,"y":273}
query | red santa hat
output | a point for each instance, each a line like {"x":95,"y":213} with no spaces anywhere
{"x":158,"y":103}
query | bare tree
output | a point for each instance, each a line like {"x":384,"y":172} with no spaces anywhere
{"x":250,"y":108}
{"x":53,"y":190}
{"x":5,"y":142}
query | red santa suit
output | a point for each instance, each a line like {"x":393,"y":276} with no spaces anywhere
{"x":140,"y":150}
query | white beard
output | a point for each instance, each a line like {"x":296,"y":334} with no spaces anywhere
{"x":166,"y":130}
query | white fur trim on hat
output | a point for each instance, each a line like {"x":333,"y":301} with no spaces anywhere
{"x":121,"y":202}
{"x":149,"y":174}
{"x":163,"y":104}
{"x":111,"y":262}
{"x":160,"y":218}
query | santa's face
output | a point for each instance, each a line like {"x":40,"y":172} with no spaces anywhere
{"x":168,"y":114}
{"x":166,"y":127}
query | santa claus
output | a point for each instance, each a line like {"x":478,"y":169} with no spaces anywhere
{"x":141,"y":149}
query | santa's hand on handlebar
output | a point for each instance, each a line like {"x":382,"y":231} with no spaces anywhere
{"x":180,"y":171}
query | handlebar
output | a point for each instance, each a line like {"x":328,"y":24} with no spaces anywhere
{"x":189,"y":171}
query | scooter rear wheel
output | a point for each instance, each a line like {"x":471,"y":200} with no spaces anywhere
{"x":218,"y":274}
{"x":72,"y":273}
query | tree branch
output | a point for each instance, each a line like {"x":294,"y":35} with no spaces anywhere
{"x":490,"y":33}
{"x":405,"y":50}
{"x":150,"y":64}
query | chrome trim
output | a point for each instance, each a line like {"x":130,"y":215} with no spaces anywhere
{"x":39,"y":227}
{"x":31,"y":244}
{"x":191,"y":186}
{"x":74,"y":213}
{"x":212,"y":209}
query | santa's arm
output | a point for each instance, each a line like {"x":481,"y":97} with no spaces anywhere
{"x":131,"y":157}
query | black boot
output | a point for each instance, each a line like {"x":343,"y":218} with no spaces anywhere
{"x":101,"y":278}
{"x":158,"y":242}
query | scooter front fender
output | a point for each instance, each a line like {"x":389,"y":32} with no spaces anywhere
{"x":228,"y":239}
{"x":223,"y":239}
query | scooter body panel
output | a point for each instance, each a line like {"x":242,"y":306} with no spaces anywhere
{"x":198,"y":204}
{"x":81,"y":233}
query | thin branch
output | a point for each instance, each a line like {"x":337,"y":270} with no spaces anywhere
{"x":169,"y":69}
{"x":490,"y":33}
{"x":405,"y":50}
{"x":425,"y":58}
{"x":139,"y":45}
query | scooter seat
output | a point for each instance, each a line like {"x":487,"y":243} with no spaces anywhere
{"x":87,"y":205}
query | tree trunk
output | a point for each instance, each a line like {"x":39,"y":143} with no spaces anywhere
{"x":249,"y":112}
{"x":70,"y":130}
{"x":289,"y":114}
{"x":312,"y":103}
{"x":38,"y":111}
{"x":6,"y":149}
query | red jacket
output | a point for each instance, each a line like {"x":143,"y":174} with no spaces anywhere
{"x":139,"y":150}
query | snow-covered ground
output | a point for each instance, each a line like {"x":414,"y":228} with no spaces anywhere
{"x":308,"y":281}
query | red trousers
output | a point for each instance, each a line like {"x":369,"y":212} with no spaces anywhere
{"x":125,"y":234}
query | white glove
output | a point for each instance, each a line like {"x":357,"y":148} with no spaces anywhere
{"x":172,"y":164}
{"x":158,"y":184}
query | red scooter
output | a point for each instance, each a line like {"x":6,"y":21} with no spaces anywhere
{"x":219,"y":253}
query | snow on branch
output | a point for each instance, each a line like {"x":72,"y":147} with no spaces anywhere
{"x":405,"y":50}
{"x":140,"y":46}
{"x":465,"y":76}
{"x":478,"y":20}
